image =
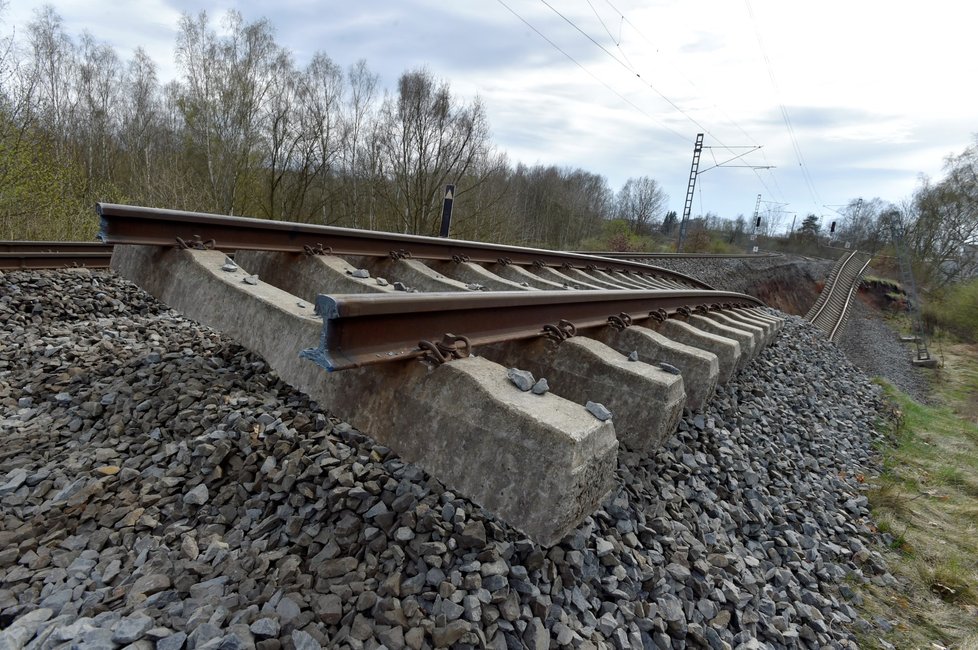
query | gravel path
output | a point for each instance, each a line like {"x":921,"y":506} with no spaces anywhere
{"x":162,"y":488}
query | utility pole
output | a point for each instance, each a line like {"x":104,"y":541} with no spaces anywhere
{"x":756,"y":219}
{"x":688,"y":206}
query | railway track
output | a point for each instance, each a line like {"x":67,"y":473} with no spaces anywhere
{"x":15,"y":255}
{"x":639,"y":257}
{"x":511,"y":374}
{"x":831,"y":311}
{"x":488,"y":266}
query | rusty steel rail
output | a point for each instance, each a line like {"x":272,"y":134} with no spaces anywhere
{"x":674,"y":256}
{"x":127,"y":224}
{"x":831,"y":310}
{"x":365,"y":329}
{"x":19,"y":255}
{"x":14,"y":246}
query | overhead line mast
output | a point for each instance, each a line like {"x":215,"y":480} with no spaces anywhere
{"x":694,"y":172}
{"x":688,"y":206}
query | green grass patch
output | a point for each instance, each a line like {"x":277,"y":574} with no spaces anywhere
{"x":883,"y":283}
{"x":926,"y":502}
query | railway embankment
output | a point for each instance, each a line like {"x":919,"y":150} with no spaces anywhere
{"x":160,"y":485}
{"x":788,"y":283}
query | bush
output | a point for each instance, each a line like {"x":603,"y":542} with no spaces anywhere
{"x":956,"y":310}
{"x":617,"y":236}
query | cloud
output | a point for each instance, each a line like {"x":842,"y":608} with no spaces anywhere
{"x":877,"y":92}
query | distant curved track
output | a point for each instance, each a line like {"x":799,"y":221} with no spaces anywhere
{"x":831,"y":311}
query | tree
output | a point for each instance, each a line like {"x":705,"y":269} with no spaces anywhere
{"x":640,"y":202}
{"x":738,"y":228}
{"x":669,"y":222}
{"x":226,"y":79}
{"x":941,"y":220}
{"x":427,"y":140}
{"x":359,"y":147}
{"x":810,"y":228}
{"x":97,"y":89}
{"x":861,"y":224}
{"x":140,"y":120}
{"x":51,"y":67}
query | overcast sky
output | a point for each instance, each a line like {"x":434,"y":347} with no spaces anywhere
{"x":847,"y":98}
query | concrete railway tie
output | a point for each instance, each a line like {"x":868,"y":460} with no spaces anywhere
{"x":541,"y":463}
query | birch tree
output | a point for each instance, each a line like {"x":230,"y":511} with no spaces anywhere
{"x":226,"y":80}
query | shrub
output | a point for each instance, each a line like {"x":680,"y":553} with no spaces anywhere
{"x":956,"y":310}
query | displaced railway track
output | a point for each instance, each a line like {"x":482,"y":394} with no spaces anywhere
{"x":831,"y":311}
{"x":440,"y":342}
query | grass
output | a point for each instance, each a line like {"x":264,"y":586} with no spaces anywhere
{"x":926,"y":502}
{"x":887,"y":283}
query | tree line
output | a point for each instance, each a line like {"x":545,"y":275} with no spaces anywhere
{"x":246,"y":130}
{"x":937,"y":226}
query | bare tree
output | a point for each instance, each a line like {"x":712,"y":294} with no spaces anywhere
{"x":96,"y":83}
{"x":359,"y":158}
{"x":226,"y":81}
{"x":942,"y":221}
{"x":640,"y":202}
{"x":323,"y":124}
{"x":428,"y":140}
{"x":52,"y":64}
{"x":140,"y":122}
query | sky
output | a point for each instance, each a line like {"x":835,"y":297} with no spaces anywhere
{"x":845,"y":98}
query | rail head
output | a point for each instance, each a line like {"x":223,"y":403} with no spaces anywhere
{"x":128,"y":224}
{"x":365,"y":329}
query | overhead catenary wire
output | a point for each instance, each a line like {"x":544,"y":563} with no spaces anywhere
{"x":692,"y":83}
{"x":632,"y":71}
{"x":626,"y":64}
{"x":629,"y":67}
{"x":806,"y":175}
{"x":616,"y":41}
{"x":778,"y":191}
{"x":684,"y":138}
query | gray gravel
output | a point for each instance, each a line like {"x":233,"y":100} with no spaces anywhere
{"x":876,"y":349}
{"x":162,"y":488}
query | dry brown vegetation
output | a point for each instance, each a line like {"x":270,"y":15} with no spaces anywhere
{"x":926,"y":504}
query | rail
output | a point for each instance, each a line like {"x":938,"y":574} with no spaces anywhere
{"x":830,"y":286}
{"x":483,"y":423}
{"x":17,"y":255}
{"x":830,"y":312}
{"x":667,"y":256}
{"x":368,"y":329}
{"x":126,"y":224}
